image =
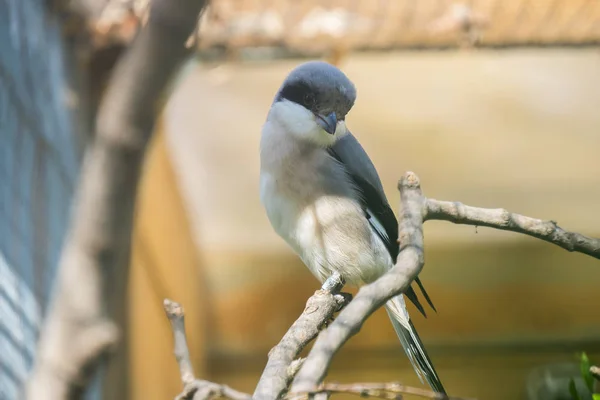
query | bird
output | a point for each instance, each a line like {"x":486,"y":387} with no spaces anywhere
{"x":324,"y":198}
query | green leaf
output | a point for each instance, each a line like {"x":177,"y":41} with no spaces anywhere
{"x":573,"y":390}
{"x":596,"y":396}
{"x":585,"y":372}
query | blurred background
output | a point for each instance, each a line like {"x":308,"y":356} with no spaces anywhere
{"x":492,"y":103}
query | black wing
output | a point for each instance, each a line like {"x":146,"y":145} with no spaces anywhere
{"x":351,"y":154}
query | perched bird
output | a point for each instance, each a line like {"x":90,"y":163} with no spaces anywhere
{"x":324,"y":197}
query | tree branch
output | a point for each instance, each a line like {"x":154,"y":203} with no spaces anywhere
{"x":388,"y":390}
{"x":415,"y":209}
{"x":280,"y":369}
{"x":374,"y":295}
{"x":175,"y":314}
{"x":499,"y":218}
{"x":81,"y":325}
{"x":193,"y":388}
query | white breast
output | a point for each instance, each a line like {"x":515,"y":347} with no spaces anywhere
{"x":313,"y":206}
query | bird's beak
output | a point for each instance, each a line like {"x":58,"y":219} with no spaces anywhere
{"x":328,"y":123}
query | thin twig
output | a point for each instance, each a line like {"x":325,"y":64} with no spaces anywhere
{"x":193,"y":388}
{"x":387,"y":390}
{"x":319,"y":309}
{"x":499,"y":218}
{"x":176,"y":317}
{"x":374,"y":295}
{"x":205,"y":390}
{"x":83,"y":320}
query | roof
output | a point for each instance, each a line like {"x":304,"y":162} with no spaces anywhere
{"x":310,"y":27}
{"x":281,"y":28}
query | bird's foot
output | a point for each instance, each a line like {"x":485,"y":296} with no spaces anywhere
{"x":333,"y":285}
{"x":342,"y":299}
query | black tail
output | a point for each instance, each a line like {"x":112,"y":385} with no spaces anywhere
{"x":413,"y":346}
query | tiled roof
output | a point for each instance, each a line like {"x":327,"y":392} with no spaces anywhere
{"x":313,"y":26}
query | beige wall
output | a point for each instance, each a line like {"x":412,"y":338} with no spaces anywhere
{"x":164,"y":264}
{"x":514,"y":129}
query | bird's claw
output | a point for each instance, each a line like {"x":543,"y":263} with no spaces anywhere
{"x":333,"y":285}
{"x":342,"y":300}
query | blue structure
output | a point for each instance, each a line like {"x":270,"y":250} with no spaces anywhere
{"x":39,"y":163}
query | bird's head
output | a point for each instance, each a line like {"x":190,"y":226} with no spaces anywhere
{"x":313,"y":102}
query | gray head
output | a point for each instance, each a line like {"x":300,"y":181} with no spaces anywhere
{"x":314,"y":100}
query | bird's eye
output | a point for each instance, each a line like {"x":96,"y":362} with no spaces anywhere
{"x":309,"y":99}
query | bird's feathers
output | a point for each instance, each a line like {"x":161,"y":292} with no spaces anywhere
{"x":412,"y":344}
{"x":348,"y":151}
{"x":359,"y":166}
{"x":323,"y":195}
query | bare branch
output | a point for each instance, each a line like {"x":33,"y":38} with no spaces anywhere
{"x":182,"y":354}
{"x":415,"y":209}
{"x":499,"y":218}
{"x":388,"y":390}
{"x":193,"y":388}
{"x":374,"y":295}
{"x":205,"y":390}
{"x":281,"y":367}
{"x":93,"y":270}
{"x":294,"y":368}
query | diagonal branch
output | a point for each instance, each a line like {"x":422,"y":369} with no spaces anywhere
{"x":499,"y":218}
{"x":319,"y":309}
{"x":415,"y":209}
{"x":84,"y":317}
{"x":374,"y":295}
{"x":195,"y":389}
